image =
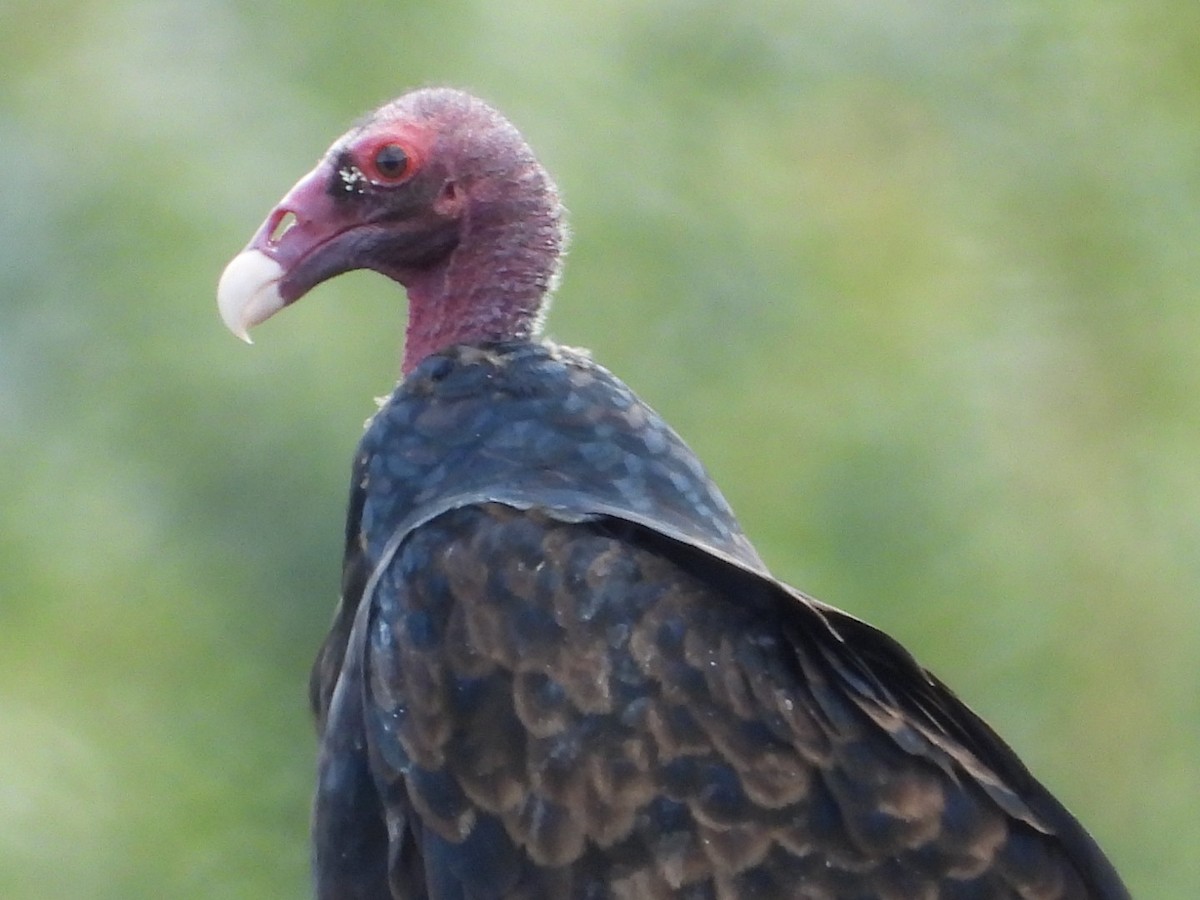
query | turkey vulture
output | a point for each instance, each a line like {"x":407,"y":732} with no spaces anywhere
{"x":559,"y":668}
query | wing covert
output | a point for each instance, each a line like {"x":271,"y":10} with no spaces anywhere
{"x":586,"y":709}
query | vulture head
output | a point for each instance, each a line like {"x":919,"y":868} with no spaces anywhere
{"x":435,"y":190}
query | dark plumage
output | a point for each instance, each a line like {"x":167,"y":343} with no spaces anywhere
{"x":559,"y":669}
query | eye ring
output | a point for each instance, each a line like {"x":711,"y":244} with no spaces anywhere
{"x":391,"y":162}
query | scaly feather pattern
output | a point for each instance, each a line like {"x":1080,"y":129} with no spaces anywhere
{"x":563,"y":682}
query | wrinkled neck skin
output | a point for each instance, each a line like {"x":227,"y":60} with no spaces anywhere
{"x":494,"y":285}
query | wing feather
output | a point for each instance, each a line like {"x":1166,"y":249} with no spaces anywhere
{"x":588,"y":708}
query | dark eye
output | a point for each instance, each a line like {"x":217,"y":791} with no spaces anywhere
{"x":391,"y":162}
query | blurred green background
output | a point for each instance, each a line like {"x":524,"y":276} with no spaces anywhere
{"x":917,"y":280}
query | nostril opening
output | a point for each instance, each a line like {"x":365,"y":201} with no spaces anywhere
{"x":284,"y":221}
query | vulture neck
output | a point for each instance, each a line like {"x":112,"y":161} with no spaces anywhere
{"x":493,"y":286}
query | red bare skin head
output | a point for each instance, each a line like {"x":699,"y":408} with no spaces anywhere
{"x":435,"y":190}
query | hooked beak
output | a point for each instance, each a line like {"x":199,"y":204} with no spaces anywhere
{"x":283,"y":260}
{"x":248,"y":292}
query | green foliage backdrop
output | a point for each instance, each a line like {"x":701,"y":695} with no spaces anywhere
{"x":918,"y":280}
